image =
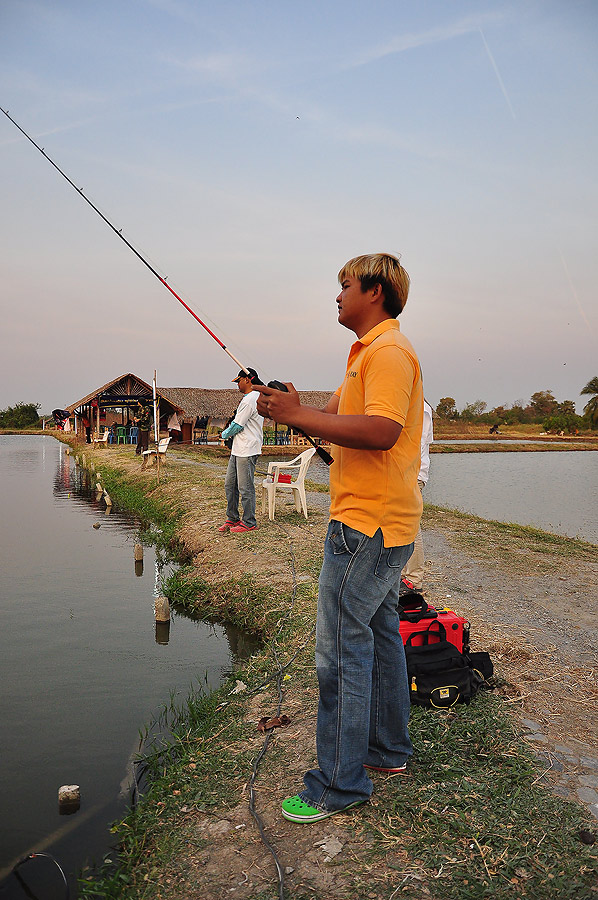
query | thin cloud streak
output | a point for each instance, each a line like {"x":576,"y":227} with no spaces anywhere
{"x":582,"y":311}
{"x":57,"y":129}
{"x":497,"y":73}
{"x":413,"y":41}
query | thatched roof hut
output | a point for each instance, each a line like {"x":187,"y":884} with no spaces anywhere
{"x":220,"y":404}
{"x":121,"y":395}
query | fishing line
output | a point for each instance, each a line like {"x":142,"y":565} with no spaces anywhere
{"x":278,"y":385}
{"x":118,"y":233}
{"x":37,"y":855}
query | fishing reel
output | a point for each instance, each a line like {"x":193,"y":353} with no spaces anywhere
{"x":323,"y":454}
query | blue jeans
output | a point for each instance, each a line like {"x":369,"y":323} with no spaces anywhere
{"x":360,"y":660}
{"x":239,"y":483}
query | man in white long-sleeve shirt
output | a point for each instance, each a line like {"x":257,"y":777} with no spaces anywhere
{"x":414,"y":570}
{"x":247,"y":433}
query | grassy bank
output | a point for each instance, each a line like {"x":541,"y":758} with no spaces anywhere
{"x":444,"y":430}
{"x":474,"y":819}
{"x":512,"y":447}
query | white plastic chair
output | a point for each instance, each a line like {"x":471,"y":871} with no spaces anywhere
{"x":101,"y":439}
{"x":272,"y":483}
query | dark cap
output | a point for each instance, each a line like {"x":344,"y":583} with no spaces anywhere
{"x":255,"y":379}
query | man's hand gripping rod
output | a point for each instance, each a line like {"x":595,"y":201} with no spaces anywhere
{"x":323,"y":454}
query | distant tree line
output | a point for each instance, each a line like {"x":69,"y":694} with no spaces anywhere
{"x":23,"y":415}
{"x":542,"y":409}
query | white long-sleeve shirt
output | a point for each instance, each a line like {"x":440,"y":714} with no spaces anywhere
{"x":249,"y":441}
{"x":427,"y":438}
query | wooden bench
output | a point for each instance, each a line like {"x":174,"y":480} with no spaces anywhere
{"x":150,"y":456}
{"x":102,"y":439}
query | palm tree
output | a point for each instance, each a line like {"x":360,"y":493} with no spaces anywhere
{"x":591,"y":407}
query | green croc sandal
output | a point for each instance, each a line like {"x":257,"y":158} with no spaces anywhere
{"x":296,"y":810}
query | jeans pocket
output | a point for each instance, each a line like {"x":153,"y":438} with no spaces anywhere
{"x":344,"y":539}
{"x":392,"y":561}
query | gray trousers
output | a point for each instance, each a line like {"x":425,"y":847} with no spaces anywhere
{"x":239,"y":484}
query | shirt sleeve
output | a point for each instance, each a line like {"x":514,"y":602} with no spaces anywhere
{"x":389,"y":376}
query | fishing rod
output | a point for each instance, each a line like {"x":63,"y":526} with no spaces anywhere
{"x":277,"y":385}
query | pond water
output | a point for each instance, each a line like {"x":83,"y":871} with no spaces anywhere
{"x":557,"y":492}
{"x":81,"y":667}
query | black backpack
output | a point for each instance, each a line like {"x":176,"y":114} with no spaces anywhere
{"x":439,"y":675}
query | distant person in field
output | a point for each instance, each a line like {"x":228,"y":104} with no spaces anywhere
{"x":374,"y":422}
{"x":143,"y":420}
{"x":413,"y":573}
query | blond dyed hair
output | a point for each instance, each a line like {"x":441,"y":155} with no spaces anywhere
{"x":383,"y":269}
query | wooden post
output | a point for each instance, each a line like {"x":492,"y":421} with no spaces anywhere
{"x":162,"y":609}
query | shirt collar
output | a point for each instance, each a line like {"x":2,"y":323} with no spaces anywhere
{"x":377,"y":330}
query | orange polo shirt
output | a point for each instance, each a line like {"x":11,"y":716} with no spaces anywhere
{"x":371,"y":489}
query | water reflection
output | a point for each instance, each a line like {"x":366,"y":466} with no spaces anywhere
{"x":82,"y":663}
{"x":163,"y":632}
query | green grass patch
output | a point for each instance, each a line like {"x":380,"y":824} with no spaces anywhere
{"x":473,"y":820}
{"x":474,"y":532}
{"x":243,"y":601}
{"x":317,"y":487}
{"x":159,"y":520}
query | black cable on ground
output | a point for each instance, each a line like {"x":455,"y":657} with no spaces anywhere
{"x":36,"y":855}
{"x":278,"y":675}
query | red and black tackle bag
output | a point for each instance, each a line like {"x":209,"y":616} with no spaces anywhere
{"x":416,"y":615}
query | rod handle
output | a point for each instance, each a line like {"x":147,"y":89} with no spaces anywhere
{"x":323,"y":454}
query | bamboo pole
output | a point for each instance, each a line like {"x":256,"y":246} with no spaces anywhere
{"x":156,"y":425}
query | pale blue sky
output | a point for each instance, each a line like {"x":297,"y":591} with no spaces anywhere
{"x":249,"y":149}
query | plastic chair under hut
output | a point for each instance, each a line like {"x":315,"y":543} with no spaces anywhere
{"x":278,"y":473}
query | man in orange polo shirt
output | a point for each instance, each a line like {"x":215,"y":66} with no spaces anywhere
{"x":374,"y":421}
